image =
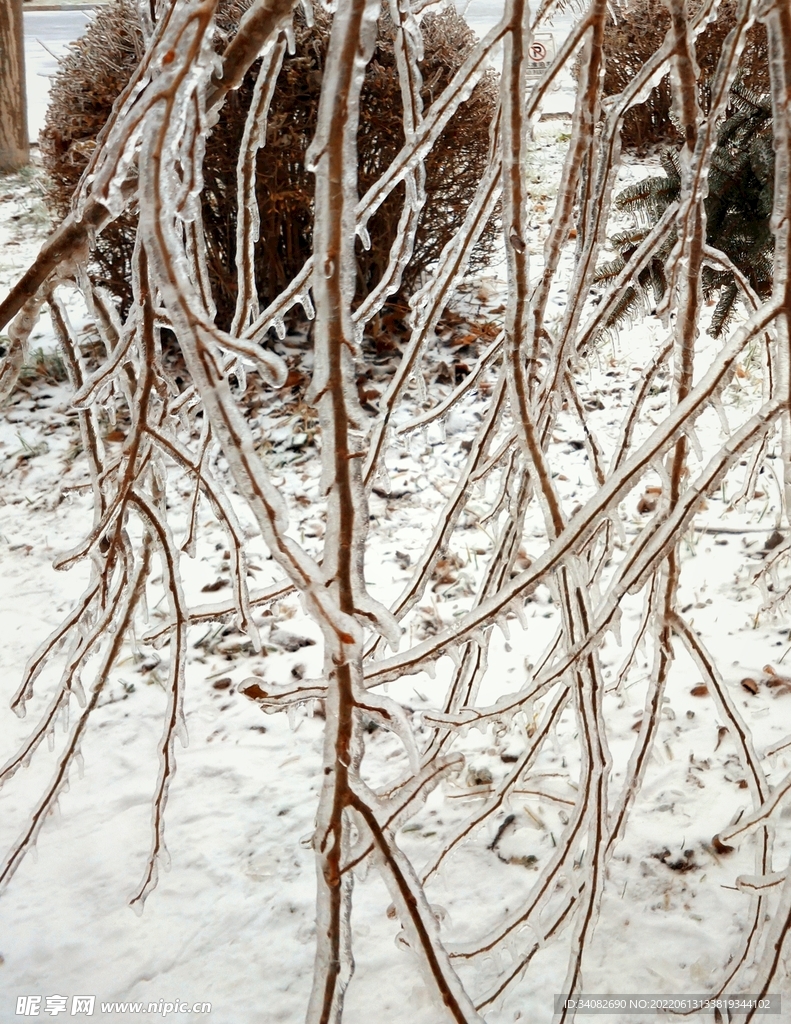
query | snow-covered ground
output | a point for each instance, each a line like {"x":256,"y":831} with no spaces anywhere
{"x":231,"y":923}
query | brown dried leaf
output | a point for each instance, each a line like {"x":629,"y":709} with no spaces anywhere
{"x":646,"y":504}
{"x":254,"y":692}
{"x":217,"y":585}
{"x":720,"y":847}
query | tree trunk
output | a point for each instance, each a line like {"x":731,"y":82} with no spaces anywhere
{"x":13,"y":104}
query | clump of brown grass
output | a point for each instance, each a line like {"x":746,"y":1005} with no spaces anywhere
{"x":99,"y":65}
{"x":638,"y":33}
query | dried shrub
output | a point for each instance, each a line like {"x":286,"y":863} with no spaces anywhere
{"x":100,"y":64}
{"x":639,"y":32}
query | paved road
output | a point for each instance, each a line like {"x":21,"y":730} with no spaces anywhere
{"x":47,"y":35}
{"x":484,"y":14}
